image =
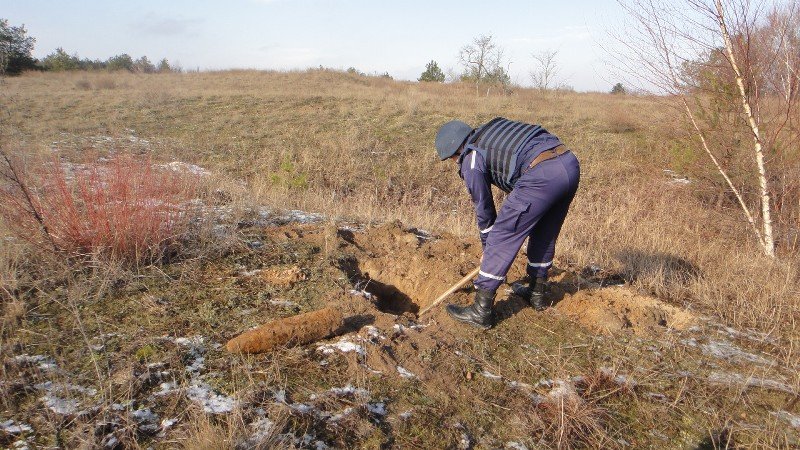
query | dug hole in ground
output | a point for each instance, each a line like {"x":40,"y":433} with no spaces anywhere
{"x":400,"y":273}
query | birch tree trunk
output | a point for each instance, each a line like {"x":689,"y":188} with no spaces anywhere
{"x":768,"y":242}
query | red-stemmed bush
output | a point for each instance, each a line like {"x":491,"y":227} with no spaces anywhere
{"x":122,"y":209}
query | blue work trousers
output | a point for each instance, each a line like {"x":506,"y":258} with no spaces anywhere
{"x":535,"y":208}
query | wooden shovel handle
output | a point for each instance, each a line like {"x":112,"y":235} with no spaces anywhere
{"x":452,"y":289}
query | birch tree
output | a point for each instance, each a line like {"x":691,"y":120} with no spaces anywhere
{"x":675,"y":46}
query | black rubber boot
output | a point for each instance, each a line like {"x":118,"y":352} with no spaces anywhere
{"x":535,"y":293}
{"x":479,"y":313}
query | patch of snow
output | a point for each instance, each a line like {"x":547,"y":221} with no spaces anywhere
{"x":729,"y":351}
{"x":405,"y":373}
{"x":374,"y":333}
{"x":516,"y":445}
{"x":378,"y":408}
{"x":204,"y":395}
{"x":425,"y":235}
{"x":14,"y":428}
{"x":284,"y":303}
{"x":371,"y":370}
{"x":61,"y":406}
{"x":302,"y":217}
{"x":490,"y":375}
{"x":465,"y":442}
{"x":166,"y":388}
{"x":196,"y":347}
{"x":302,"y":408}
{"x":43,"y":362}
{"x":794,"y":420}
{"x":168,"y":423}
{"x":518,"y":385}
{"x":345,"y":412}
{"x":49,"y":386}
{"x":20,"y":445}
{"x":147,"y":420}
{"x":619,"y":379}
{"x":250,"y":273}
{"x":262,"y":430}
{"x":562,"y":389}
{"x":360,"y":293}
{"x":344,"y":346}
{"x":349,"y":390}
{"x":406,"y":414}
{"x":675,"y":178}
{"x":752,"y":335}
{"x":179,"y":166}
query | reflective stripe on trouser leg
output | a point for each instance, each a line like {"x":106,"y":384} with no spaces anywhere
{"x":543,"y":236}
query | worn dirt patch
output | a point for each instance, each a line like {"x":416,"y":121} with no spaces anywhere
{"x":619,"y":308}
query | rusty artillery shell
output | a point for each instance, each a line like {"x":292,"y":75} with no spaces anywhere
{"x":296,"y":330}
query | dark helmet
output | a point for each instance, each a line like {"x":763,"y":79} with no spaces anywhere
{"x":450,"y":137}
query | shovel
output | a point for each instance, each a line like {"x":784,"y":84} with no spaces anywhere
{"x":452,"y":289}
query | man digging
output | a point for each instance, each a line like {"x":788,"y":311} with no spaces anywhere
{"x":540,"y":176}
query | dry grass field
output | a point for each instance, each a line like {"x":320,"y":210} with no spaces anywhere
{"x":674,"y":330}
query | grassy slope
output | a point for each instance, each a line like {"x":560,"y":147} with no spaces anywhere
{"x":361,"y":147}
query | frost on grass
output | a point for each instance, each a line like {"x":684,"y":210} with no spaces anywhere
{"x":792,"y":419}
{"x":728,"y":351}
{"x":735,"y":379}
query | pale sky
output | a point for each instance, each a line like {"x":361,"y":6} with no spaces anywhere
{"x":373,"y":36}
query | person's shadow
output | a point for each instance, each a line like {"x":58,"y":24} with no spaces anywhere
{"x":673,"y":269}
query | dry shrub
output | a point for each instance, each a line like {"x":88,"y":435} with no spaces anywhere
{"x":570,"y":421}
{"x":105,"y":83}
{"x":620,"y":119}
{"x":123,"y":209}
{"x":83,"y":84}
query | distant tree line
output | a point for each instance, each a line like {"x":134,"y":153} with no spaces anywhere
{"x":60,"y":60}
{"x":16,"y":56}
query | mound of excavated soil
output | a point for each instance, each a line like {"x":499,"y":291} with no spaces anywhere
{"x":403,"y":270}
{"x":617,"y":308}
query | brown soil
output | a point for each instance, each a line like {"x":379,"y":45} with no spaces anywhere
{"x":618,"y":308}
{"x":407,"y":272}
{"x":403,"y":271}
{"x":295,"y":330}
